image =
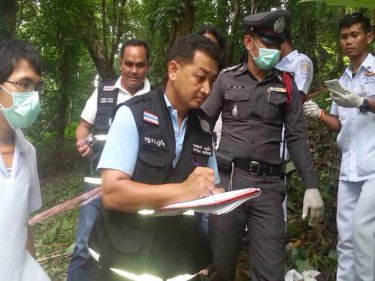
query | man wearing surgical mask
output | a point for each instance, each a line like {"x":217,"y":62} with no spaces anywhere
{"x":20,"y":87}
{"x":256,"y":100}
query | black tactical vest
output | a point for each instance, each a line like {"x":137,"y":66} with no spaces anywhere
{"x":106,"y":103}
{"x":162,"y":246}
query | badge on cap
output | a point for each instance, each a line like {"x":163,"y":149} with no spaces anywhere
{"x":279,"y":25}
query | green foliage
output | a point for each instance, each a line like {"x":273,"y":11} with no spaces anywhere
{"x":159,"y":16}
{"x":70,"y":130}
{"x":345,"y":3}
{"x":314,"y":248}
{"x":53,"y":238}
{"x":59,"y":31}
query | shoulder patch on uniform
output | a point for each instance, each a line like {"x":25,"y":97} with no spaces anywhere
{"x":306,"y":68}
{"x":151,"y":118}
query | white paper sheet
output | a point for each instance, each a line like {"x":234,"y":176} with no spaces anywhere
{"x":215,"y":204}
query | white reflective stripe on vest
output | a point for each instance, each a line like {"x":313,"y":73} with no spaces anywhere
{"x":93,"y":180}
{"x":100,"y":137}
{"x":149,"y":212}
{"x":146,"y":212}
{"x":144,"y":276}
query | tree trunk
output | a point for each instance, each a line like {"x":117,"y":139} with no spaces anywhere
{"x":100,"y":51}
{"x":8,"y":9}
{"x":63,"y":95}
{"x":184,"y":24}
{"x":234,"y":30}
{"x":97,"y":50}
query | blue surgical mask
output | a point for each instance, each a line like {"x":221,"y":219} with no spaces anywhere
{"x":267,"y":58}
{"x":24,"y":111}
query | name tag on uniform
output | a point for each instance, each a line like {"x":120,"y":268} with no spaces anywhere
{"x":159,"y":143}
{"x":276,"y":89}
{"x":201,"y":149}
{"x":108,"y":88}
{"x":106,"y":100}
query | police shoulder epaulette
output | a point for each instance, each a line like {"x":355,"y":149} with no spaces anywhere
{"x":230,"y":68}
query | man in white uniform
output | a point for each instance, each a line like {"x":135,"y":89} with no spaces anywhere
{"x":20,"y":87}
{"x":352,"y":117}
{"x":96,"y":119}
{"x":298,"y":64}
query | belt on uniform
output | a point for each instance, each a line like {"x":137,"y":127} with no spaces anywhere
{"x":256,"y":168}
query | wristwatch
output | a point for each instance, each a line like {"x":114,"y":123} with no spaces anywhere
{"x":365,"y":106}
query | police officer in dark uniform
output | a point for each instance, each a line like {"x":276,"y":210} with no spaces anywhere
{"x":151,"y":157}
{"x":256,"y":100}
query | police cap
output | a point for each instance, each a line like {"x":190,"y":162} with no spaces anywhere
{"x":270,"y":26}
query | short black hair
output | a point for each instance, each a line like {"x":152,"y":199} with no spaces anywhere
{"x":357,"y":17}
{"x":135,"y":42}
{"x":13,"y":50}
{"x":210,"y":29}
{"x":184,"y":48}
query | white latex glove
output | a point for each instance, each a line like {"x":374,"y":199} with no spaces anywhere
{"x":310,"y":275}
{"x":346,"y":99}
{"x":293,"y":275}
{"x":313,"y":201}
{"x":311,"y":109}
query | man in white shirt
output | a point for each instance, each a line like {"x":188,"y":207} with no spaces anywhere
{"x":352,"y":117}
{"x":298,"y":64}
{"x":20,"y":86}
{"x":96,"y":119}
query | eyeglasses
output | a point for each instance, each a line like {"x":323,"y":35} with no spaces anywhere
{"x":28,"y":86}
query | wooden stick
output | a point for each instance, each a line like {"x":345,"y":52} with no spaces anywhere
{"x":66,"y":206}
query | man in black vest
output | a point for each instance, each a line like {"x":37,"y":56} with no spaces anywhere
{"x":96,"y":119}
{"x":160,"y":155}
{"x":255,"y":101}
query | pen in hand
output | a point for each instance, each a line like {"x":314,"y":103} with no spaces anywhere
{"x":196,"y":164}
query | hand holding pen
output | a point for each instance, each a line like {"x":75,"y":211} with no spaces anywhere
{"x":201,"y":182}
{"x":216,"y":190}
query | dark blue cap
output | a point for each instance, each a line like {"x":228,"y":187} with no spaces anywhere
{"x":270,"y":26}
